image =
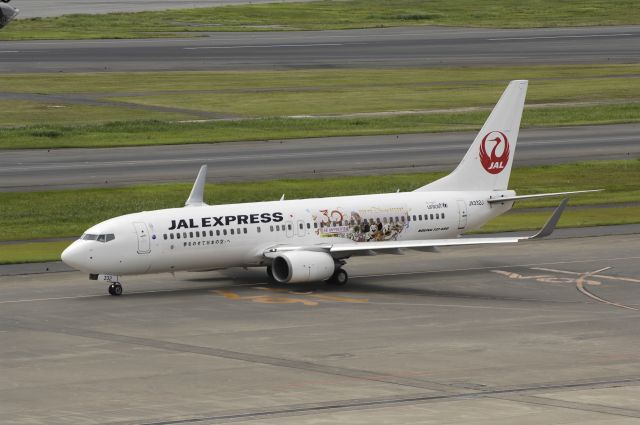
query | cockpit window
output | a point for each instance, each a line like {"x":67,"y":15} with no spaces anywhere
{"x":100,"y":238}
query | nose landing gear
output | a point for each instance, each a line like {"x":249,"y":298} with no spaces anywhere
{"x":115,"y":289}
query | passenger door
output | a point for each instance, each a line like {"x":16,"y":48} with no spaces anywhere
{"x":144,"y":241}
{"x":462,"y":214}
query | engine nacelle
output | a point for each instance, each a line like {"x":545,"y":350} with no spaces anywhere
{"x":7,"y":13}
{"x":302,"y":266}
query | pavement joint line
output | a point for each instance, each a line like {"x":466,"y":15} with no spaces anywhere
{"x":572,"y":405}
{"x":363,"y":375}
{"x":381,"y":402}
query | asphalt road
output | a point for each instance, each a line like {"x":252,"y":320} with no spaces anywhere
{"x":385,"y":47}
{"x":30,"y":170}
{"x":44,"y":8}
{"x":475,"y":335}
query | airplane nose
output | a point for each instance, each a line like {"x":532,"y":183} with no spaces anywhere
{"x":72,"y":256}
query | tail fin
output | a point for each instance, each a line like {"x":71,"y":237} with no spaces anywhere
{"x":487,"y":164}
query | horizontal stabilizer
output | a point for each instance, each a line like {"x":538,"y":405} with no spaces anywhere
{"x":539,"y":195}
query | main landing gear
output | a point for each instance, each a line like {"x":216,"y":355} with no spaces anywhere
{"x":115,"y":289}
{"x":339,"y":278}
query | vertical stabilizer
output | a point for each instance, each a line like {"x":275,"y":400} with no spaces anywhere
{"x":487,"y":163}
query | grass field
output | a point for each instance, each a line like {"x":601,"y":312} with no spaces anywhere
{"x":37,"y":215}
{"x":154,"y":106}
{"x":330,"y":14}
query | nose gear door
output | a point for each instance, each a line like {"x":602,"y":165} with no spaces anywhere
{"x":144,"y":242}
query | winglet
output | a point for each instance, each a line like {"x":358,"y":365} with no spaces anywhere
{"x":196,"y":197}
{"x":550,"y":225}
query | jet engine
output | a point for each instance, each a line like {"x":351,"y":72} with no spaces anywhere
{"x":7,"y":13}
{"x":302,"y":266}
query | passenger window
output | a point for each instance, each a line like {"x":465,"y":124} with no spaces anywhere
{"x":315,"y":225}
{"x":420,"y":217}
{"x":184,"y":235}
{"x":271,"y":228}
{"x":165,"y":236}
{"x":414,"y":218}
{"x":402,"y":219}
{"x":301,"y":226}
{"x":443,"y":215}
{"x":278,"y":227}
{"x":217,"y":232}
{"x":197,"y":234}
{"x":171,"y":235}
{"x":258,"y":229}
{"x":224,"y":232}
{"x":308,"y":225}
{"x":231,"y":231}
{"x":245,"y":230}
{"x":437,"y":216}
{"x":431,"y":216}
{"x":190,"y":234}
{"x":210,"y":232}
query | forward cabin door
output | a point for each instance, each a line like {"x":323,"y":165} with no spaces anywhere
{"x":462,"y":214}
{"x":144,"y":241}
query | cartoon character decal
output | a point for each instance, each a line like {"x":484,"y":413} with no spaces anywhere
{"x":365,"y":225}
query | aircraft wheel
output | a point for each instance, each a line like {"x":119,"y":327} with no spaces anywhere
{"x":340,"y":278}
{"x":115,"y":289}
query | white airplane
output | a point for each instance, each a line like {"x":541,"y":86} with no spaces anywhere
{"x":7,"y":13}
{"x":309,"y":239}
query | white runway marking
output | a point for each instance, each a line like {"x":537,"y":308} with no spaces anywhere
{"x":267,"y":46}
{"x":542,"y":37}
{"x":9,"y":51}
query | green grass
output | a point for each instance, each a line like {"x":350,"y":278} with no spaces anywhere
{"x":335,"y":14}
{"x":35,"y":215}
{"x":31,"y":252}
{"x":611,"y":92}
{"x":25,"y":113}
{"x":140,"y":133}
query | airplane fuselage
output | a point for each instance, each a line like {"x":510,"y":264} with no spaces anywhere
{"x":236,"y":235}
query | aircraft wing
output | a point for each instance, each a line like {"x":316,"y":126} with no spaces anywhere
{"x":342,"y":250}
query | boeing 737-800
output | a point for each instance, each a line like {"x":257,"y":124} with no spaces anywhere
{"x":310,"y":239}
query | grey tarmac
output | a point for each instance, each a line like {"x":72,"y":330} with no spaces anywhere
{"x":541,"y":332}
{"x":32,"y":170}
{"x":367,"y":48}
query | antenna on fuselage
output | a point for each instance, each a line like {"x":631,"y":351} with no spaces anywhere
{"x":196,"y":197}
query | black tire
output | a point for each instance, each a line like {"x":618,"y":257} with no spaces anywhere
{"x":111,"y":289}
{"x":117,"y":290}
{"x":340,"y":278}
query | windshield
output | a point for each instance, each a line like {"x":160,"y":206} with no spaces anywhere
{"x":107,"y":237}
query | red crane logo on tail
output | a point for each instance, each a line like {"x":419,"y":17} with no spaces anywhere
{"x":495,"y":161}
